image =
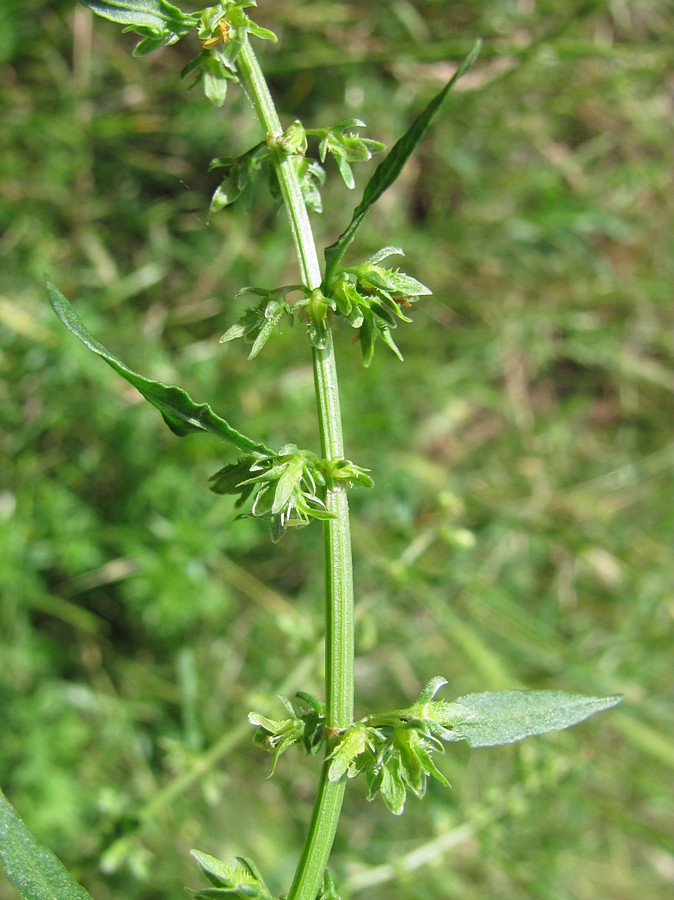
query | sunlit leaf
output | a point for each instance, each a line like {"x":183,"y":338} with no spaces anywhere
{"x":392,"y":165}
{"x":158,"y":14}
{"x":503,"y":717}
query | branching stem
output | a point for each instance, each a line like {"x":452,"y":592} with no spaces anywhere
{"x":339,"y":641}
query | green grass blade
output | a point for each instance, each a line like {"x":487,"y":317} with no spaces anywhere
{"x":31,"y":868}
{"x":504,"y":717}
{"x":182,"y":415}
{"x":392,"y":165}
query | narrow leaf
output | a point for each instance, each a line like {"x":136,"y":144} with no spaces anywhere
{"x":503,"y":717}
{"x":391,"y":166}
{"x":345,"y":171}
{"x":367,"y":336}
{"x":263,"y":33}
{"x":31,"y":868}
{"x":181,"y":414}
{"x":385,"y":334}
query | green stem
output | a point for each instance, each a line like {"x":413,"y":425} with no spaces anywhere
{"x":255,"y":85}
{"x":339,"y":638}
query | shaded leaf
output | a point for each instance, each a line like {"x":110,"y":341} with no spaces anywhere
{"x":31,"y":868}
{"x":180,"y":412}
{"x":215,"y":77}
{"x":391,"y":166}
{"x":152,"y":42}
{"x":230,"y":479}
{"x":367,"y":336}
{"x":273,"y":313}
{"x":392,"y":788}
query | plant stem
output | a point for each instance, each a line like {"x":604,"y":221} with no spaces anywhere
{"x":339,"y":638}
{"x":255,"y":85}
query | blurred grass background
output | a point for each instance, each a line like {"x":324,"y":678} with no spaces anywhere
{"x":520,"y":532}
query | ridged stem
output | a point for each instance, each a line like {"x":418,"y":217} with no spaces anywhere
{"x":339,"y":638}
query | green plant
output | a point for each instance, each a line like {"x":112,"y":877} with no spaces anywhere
{"x":289,"y":487}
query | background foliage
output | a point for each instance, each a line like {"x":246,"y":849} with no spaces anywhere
{"x":521,"y":526}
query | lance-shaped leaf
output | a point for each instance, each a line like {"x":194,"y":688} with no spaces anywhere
{"x":391,"y":167}
{"x":31,"y":868}
{"x":156,"y":14}
{"x":181,"y":414}
{"x":157,"y":22}
{"x":504,"y":717}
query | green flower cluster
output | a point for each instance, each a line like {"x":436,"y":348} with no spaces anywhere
{"x":338,"y":140}
{"x":242,"y":176}
{"x":222,"y":30}
{"x":393,"y":750}
{"x":372,"y":299}
{"x":289,"y":487}
{"x":369,"y":296}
